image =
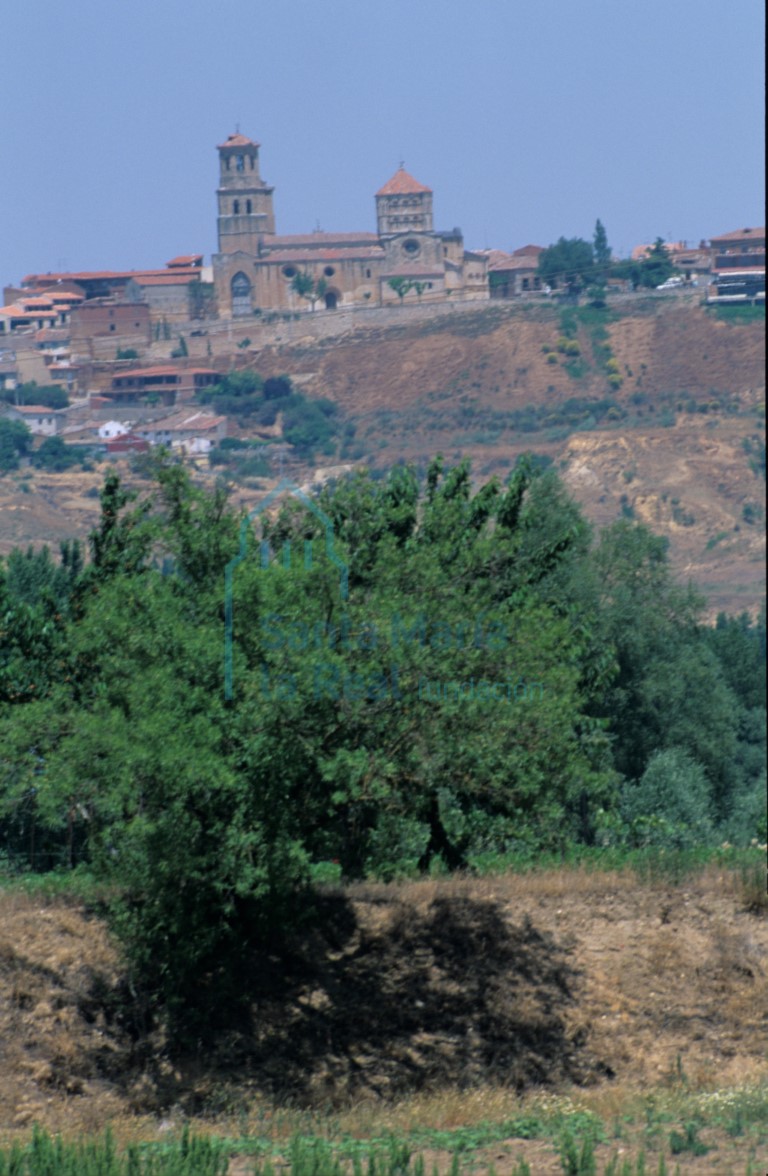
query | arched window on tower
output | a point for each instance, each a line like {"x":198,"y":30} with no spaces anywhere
{"x":236,"y":207}
{"x":248,"y":206}
{"x":240,"y":162}
{"x":241,"y":294}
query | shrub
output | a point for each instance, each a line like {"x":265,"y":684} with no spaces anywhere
{"x":277,"y":388}
{"x":15,"y":442}
{"x":56,"y":456}
{"x":671,"y":805}
{"x":49,"y":395}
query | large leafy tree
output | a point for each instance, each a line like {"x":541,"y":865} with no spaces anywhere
{"x":568,"y":264}
{"x":439,"y":658}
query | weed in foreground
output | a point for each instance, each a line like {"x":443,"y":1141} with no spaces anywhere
{"x":688,"y":1141}
{"x":754,"y":887}
{"x":577,"y":1160}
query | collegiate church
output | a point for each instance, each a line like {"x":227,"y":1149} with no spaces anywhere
{"x":255,"y":267}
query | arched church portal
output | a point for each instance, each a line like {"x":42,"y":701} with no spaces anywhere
{"x":241,"y":294}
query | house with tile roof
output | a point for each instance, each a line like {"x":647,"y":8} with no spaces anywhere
{"x":255,"y":267}
{"x":738,"y":266}
{"x":193,"y":433}
{"x":41,"y":421}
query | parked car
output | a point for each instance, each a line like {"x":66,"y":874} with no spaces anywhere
{"x":670,"y":284}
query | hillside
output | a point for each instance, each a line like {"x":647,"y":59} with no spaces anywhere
{"x":652,"y":410}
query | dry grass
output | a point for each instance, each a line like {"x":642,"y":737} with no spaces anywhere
{"x":669,"y":990}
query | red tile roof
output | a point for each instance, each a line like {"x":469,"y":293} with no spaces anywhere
{"x":511,"y":262}
{"x":93,"y":275}
{"x":178,"y":278}
{"x":32,"y":409}
{"x":166,"y":370}
{"x":183,"y":423}
{"x":17,"y":312}
{"x":742,"y":235}
{"x":185,"y":259}
{"x":238,"y":140}
{"x":528,"y":251}
{"x":402,"y":184}
{"x":326,"y":239}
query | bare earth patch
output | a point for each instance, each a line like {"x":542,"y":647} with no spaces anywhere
{"x":428,"y":1004}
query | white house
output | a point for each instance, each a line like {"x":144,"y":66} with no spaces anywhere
{"x":194,"y":433}
{"x":42,"y":421}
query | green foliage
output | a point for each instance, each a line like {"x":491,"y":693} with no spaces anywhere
{"x":127,"y":353}
{"x":671,"y":805}
{"x":568,"y":264}
{"x":277,"y":388}
{"x":15,"y":442}
{"x":31,"y":576}
{"x":47,"y":1156}
{"x":306,"y":287}
{"x":651,"y":271}
{"x":600,"y":247}
{"x":401,"y":286}
{"x":55,"y":455}
{"x":754,"y":447}
{"x":738,"y":313}
{"x":48,"y":395}
{"x":472,"y":691}
{"x":688,"y":1141}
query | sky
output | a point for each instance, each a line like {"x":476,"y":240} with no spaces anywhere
{"x":528,"y":118}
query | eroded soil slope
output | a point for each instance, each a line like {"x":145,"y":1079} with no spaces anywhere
{"x":555,"y":980}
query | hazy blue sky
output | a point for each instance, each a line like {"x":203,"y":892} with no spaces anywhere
{"x":528,"y":118}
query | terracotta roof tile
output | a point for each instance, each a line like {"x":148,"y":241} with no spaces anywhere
{"x":320,"y":239}
{"x":33,"y":409}
{"x":742,"y":235}
{"x":238,"y":140}
{"x":183,"y":422}
{"x":179,"y":278}
{"x":401,"y":184}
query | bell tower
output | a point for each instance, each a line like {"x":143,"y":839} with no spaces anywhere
{"x":245,"y":201}
{"x":403,"y":205}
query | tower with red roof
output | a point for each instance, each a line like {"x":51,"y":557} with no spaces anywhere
{"x":245,"y":201}
{"x":403,"y":205}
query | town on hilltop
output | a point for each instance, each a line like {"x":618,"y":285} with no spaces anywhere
{"x":131,"y":351}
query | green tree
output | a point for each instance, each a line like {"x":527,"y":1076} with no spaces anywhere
{"x":656,"y":266}
{"x":650,"y":271}
{"x":401,"y":286}
{"x":49,"y":395}
{"x":306,"y":287}
{"x":15,"y":442}
{"x":568,"y":264}
{"x":671,"y":805}
{"x":56,"y":456}
{"x":601,"y":249}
